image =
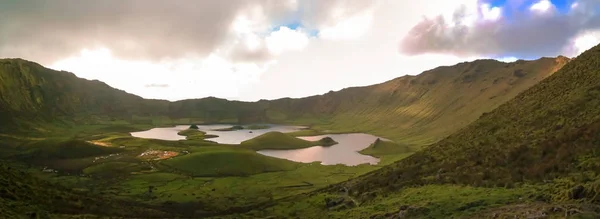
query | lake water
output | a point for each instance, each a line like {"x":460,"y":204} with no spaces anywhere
{"x":225,"y":137}
{"x":345,"y":152}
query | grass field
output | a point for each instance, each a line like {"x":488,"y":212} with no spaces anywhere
{"x":227,"y":161}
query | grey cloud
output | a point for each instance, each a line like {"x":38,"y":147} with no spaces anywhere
{"x":137,"y":29}
{"x":524,"y":34}
{"x":241,"y":54}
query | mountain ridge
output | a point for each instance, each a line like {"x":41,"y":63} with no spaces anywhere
{"x":405,"y":100}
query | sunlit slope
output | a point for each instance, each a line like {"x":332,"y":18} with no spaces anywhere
{"x":424,"y":108}
{"x":31,"y":95}
{"x":549,"y":131}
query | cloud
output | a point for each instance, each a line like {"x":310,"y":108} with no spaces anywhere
{"x":539,"y":31}
{"x":264,"y":49}
{"x":286,"y":39}
{"x":135,"y":29}
{"x":582,"y":42}
{"x":193,"y":77}
{"x":321,"y":14}
{"x":156,"y":85}
{"x":542,"y":6}
{"x":350,"y":28}
{"x":325,"y":64}
{"x":258,"y":55}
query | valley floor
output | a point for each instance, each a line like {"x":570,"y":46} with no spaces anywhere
{"x":195,"y":176}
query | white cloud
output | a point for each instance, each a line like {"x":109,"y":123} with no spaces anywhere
{"x":542,"y":6}
{"x":326,"y":65}
{"x":350,"y":28}
{"x":184,"y":78}
{"x":286,"y":39}
{"x":490,"y":13}
{"x":574,"y":5}
{"x":508,"y":59}
{"x":582,"y":42}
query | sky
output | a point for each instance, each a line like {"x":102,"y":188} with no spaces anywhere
{"x":267,"y":49}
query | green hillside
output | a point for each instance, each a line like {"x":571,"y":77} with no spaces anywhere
{"x":537,"y":154}
{"x":32,"y":96}
{"x":23,"y":196}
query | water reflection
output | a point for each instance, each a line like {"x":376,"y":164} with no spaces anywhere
{"x":346,"y":152}
{"x":225,"y":137}
{"x":169,"y":134}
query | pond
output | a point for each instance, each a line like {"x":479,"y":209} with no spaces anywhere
{"x":345,"y":152}
{"x":225,"y":137}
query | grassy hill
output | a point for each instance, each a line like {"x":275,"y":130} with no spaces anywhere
{"x":537,"y":154}
{"x":224,"y":161}
{"x":281,"y":141}
{"x":381,"y":148}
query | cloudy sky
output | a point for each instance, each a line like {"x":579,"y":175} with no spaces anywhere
{"x":266,"y":49}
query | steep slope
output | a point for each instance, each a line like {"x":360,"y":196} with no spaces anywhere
{"x":425,"y":108}
{"x":549,"y":131}
{"x":31,"y":95}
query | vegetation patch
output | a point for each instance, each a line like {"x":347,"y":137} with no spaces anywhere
{"x":223,"y":161}
{"x":281,"y":141}
{"x":114,"y":169}
{"x":381,"y":148}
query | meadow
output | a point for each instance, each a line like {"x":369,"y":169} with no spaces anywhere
{"x":197,"y":176}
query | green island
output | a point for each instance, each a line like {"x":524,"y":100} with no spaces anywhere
{"x":278,"y":140}
{"x":481,"y":139}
